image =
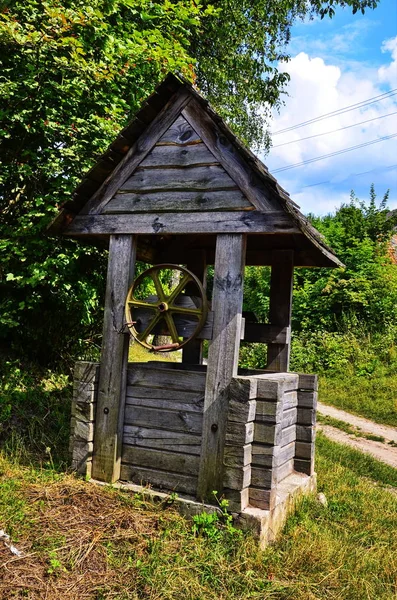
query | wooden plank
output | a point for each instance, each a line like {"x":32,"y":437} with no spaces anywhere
{"x":229,"y":157}
{"x":307,"y":399}
{"x":305,"y":433}
{"x":238,"y":499}
{"x":180,"y":133}
{"x":237,"y":456}
{"x":179,"y":156}
{"x":181,"y":420}
{"x":114,"y":358}
{"x":274,"y":434}
{"x":163,"y":480}
{"x":177,"y":201}
{"x":264,"y":333}
{"x":160,"y":404}
{"x":160,"y":439}
{"x":304,"y":466}
{"x":266,"y":456}
{"x":223,"y":354}
{"x":267,"y":478}
{"x":242,"y":412}
{"x":239,"y":434}
{"x":275,"y":385}
{"x":160,"y":459}
{"x":137,"y":152}
{"x":306,"y":416}
{"x":192,"y":353}
{"x":85,"y":371}
{"x":155,"y":393}
{"x":237,"y":478}
{"x":82,"y":430}
{"x":190,"y":178}
{"x":304,"y":450}
{"x":150,"y":375}
{"x":85,"y":411}
{"x":183,"y":223}
{"x":82,"y":457}
{"x":260,"y":498}
{"x":308,"y":382}
{"x":281,"y":283}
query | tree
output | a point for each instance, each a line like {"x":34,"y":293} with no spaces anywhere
{"x":71,"y":74}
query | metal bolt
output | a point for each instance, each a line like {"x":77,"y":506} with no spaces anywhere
{"x":214,"y":427}
{"x":106,"y":411}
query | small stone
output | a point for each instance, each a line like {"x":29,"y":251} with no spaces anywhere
{"x":321,"y":499}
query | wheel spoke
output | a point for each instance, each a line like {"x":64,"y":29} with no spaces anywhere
{"x":171,"y":327}
{"x":142,"y":336}
{"x":185,"y":311}
{"x":175,"y":293}
{"x":158,"y":286}
{"x":142,"y":304}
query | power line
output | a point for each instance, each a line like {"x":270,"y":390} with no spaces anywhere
{"x":389,"y":168}
{"x":317,"y":158}
{"x":340,"y":111}
{"x":334,"y":130}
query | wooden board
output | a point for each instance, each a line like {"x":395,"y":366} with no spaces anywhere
{"x":175,"y":462}
{"x":223,"y":353}
{"x":114,"y":358}
{"x":159,"y":479}
{"x":191,"y":178}
{"x":180,"y":133}
{"x":177,"y":201}
{"x":160,"y":439}
{"x":183,"y":223}
{"x":264,"y":333}
{"x":179,"y":156}
{"x":165,"y":378}
{"x":179,"y":403}
{"x":180,"y":420}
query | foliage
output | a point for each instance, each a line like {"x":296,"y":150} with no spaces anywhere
{"x":218,"y":524}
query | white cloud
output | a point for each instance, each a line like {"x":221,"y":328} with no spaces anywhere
{"x":388,"y":73}
{"x":318,"y":87}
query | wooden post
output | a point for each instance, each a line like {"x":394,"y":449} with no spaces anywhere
{"x":281,"y":283}
{"x":114,"y":360}
{"x":193,"y":353}
{"x":223,"y":354}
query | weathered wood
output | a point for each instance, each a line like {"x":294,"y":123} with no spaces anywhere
{"x":266,"y":334}
{"x":281,"y":284}
{"x":239,"y":433}
{"x":180,"y":133}
{"x":237,"y":456}
{"x":184,"y":223}
{"x":82,"y":457}
{"x":160,"y":459}
{"x":190,"y":178}
{"x":260,"y":498}
{"x":153,"y":394}
{"x":304,"y":466}
{"x":237,"y":478}
{"x":85,"y":371}
{"x":177,"y":201}
{"x":192,"y":353}
{"x":85,"y":411}
{"x":306,"y":416}
{"x":149,"y":375}
{"x":307,"y":399}
{"x":223,"y":354}
{"x":229,"y":157}
{"x":161,"y":439}
{"x":114,"y":358}
{"x":269,"y":457}
{"x":242,"y":412}
{"x":179,"y":156}
{"x":160,"y":479}
{"x":180,"y":420}
{"x":267,"y":478}
{"x":137,"y":152}
{"x":82,"y":430}
{"x":304,"y":450}
{"x":178,"y":404}
{"x":238,"y":499}
{"x":305,"y":433}
{"x":308,"y":382}
{"x":274,"y":434}
{"x":275,"y":385}
{"x":242,"y":389}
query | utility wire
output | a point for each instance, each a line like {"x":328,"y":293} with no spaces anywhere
{"x":340,"y":111}
{"x":334,"y":130}
{"x":389,"y":168}
{"x":311,"y":160}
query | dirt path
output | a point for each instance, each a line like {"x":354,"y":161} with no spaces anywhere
{"x":381,"y":450}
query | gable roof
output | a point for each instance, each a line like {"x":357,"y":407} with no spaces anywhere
{"x":176,"y":116}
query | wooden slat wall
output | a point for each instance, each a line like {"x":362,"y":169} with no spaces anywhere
{"x":162,"y":427}
{"x":180,"y":174}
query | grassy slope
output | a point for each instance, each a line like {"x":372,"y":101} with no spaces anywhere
{"x":89,"y":543}
{"x":370,"y":396}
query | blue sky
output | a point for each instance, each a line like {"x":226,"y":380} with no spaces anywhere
{"x":335,"y":64}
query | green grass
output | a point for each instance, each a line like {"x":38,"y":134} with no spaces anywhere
{"x":370,"y":396}
{"x":103,"y":544}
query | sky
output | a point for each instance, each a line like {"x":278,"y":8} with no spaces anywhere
{"x":335,"y":64}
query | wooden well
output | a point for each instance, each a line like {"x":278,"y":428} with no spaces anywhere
{"x":176,"y":186}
